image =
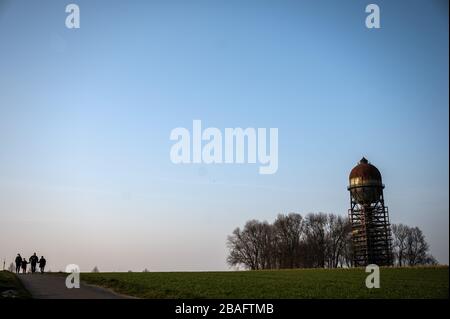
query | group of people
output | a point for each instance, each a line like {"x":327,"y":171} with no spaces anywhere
{"x":22,"y":263}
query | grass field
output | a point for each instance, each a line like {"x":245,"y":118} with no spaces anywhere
{"x":425,"y":282}
{"x":11,"y":287}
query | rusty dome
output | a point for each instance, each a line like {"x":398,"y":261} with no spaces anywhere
{"x":365,"y":171}
{"x":365,"y":183}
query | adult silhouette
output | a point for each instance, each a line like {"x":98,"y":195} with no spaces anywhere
{"x":42,"y":263}
{"x":33,"y":261}
{"x":18,"y":263}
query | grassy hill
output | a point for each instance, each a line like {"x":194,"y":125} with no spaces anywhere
{"x":417,"y":282}
{"x":11,"y":287}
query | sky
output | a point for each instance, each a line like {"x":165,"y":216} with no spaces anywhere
{"x":86,"y":114}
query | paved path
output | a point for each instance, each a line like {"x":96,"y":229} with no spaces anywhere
{"x":49,"y":286}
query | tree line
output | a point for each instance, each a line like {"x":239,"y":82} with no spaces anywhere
{"x":317,"y":240}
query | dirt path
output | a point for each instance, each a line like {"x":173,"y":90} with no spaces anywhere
{"x":49,"y":286}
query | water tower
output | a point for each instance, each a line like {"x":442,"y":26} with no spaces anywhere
{"x":371,"y":231}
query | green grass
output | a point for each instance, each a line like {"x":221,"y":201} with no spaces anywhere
{"x":10,"y":282}
{"x":418,"y":282}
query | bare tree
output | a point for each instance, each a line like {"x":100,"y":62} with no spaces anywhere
{"x":95,"y":269}
{"x":316,"y":240}
{"x":252,"y":247}
{"x":242,"y":249}
{"x":338,"y":237}
{"x":289,"y":234}
{"x":267,"y":246}
{"x":416,"y":247}
{"x":399,"y":245}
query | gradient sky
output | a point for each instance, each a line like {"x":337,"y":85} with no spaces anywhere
{"x":85,"y":118}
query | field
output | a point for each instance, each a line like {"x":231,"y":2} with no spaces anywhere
{"x":10,"y":286}
{"x":420,"y":282}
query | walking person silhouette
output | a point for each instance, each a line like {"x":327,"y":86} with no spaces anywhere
{"x":18,"y":263}
{"x":42,"y":263}
{"x":33,"y":261}
{"x":24,"y":266}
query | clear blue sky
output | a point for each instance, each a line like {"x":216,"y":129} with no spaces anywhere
{"x":85,"y":118}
